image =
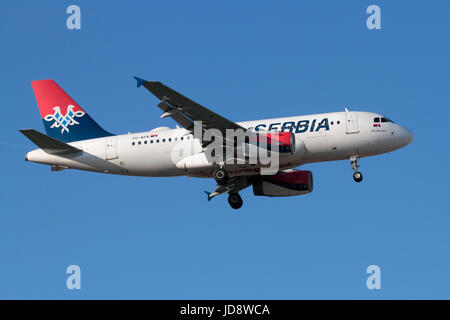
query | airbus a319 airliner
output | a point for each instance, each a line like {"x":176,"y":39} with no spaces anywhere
{"x":75,"y":141}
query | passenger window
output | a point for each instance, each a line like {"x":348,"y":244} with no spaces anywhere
{"x":133,"y":143}
{"x":139,"y":142}
{"x":151,"y":141}
{"x":338,"y":122}
{"x":181,"y":138}
{"x":176,"y":139}
{"x":145,"y":142}
{"x":157,"y":140}
{"x":164,"y":140}
{"x":332,"y":122}
{"x":170,"y":139}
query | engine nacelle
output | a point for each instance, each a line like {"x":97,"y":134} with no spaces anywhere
{"x":284,"y":184}
{"x":282,"y":142}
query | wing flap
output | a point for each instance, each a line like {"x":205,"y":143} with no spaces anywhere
{"x":175,"y":114}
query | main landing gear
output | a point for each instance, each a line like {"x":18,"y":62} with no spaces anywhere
{"x":357,"y":176}
{"x":235,"y":200}
{"x":221,"y":176}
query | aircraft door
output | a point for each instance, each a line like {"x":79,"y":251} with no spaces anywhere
{"x":111,"y":148}
{"x":351,"y":122}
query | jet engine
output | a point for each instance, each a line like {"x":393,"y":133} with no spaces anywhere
{"x":282,"y":142}
{"x":284,"y":184}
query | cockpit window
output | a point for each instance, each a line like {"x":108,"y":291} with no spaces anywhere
{"x":376,"y":119}
{"x":386,"y":120}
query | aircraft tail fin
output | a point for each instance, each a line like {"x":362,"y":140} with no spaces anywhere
{"x":49,"y":144}
{"x":63,"y":118}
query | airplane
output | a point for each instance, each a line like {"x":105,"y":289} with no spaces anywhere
{"x":73,"y":140}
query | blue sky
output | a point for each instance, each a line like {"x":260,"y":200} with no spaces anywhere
{"x":158,"y":238}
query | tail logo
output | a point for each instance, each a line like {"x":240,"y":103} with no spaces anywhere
{"x":64,"y":121}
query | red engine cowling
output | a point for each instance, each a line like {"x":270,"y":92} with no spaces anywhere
{"x":282,"y":142}
{"x":284,"y":184}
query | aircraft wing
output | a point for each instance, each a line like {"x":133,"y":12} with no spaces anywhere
{"x":185,"y":111}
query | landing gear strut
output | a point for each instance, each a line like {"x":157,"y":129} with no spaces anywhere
{"x":221,"y":176}
{"x":357,"y":176}
{"x":235,"y":200}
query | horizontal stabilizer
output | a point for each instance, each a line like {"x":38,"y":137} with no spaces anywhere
{"x":49,"y":144}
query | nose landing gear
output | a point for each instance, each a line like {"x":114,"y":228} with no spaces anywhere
{"x":235,"y":200}
{"x":357,"y":176}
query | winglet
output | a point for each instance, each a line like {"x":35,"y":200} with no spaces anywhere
{"x":139,"y":81}
{"x":208,"y":194}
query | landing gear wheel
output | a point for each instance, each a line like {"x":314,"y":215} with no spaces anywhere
{"x":221,"y":176}
{"x":235,"y":200}
{"x":357,"y":176}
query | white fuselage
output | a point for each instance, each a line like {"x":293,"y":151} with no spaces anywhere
{"x":157,"y":153}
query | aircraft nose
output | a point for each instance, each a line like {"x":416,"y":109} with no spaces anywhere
{"x":407,"y":136}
